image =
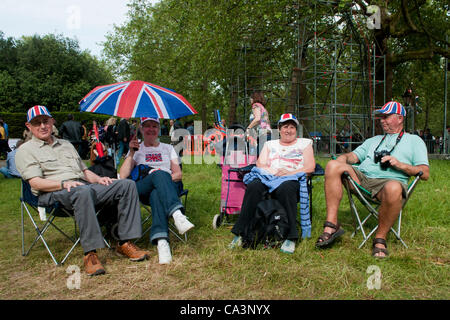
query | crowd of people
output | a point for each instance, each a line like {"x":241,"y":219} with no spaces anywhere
{"x":51,"y":161}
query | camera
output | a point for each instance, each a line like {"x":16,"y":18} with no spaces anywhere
{"x":377,"y":158}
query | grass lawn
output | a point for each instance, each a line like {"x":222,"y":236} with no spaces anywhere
{"x":205,"y":269}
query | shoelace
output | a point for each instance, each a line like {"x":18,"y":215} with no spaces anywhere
{"x":92,"y":258}
{"x":130,"y":247}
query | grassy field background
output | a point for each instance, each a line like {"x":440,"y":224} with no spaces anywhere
{"x":205,"y":268}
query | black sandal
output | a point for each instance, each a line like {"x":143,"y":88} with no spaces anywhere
{"x":327,"y":238}
{"x":376,"y":250}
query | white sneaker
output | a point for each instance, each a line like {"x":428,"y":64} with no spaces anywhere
{"x":288,"y":246}
{"x":164,"y":255}
{"x":182,"y":223}
{"x":236,"y":242}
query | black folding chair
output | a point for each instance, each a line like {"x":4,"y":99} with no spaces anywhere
{"x":29,"y":204}
{"x":371,"y":204}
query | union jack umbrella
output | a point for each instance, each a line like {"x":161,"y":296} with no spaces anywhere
{"x":136,"y":99}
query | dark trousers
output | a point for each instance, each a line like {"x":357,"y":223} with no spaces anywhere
{"x":84,"y":200}
{"x":287,"y":194}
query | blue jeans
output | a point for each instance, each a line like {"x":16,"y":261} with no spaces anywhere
{"x":123,"y":148}
{"x":5,"y":172}
{"x":159,"y":190}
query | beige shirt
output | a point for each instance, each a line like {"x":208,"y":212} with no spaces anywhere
{"x":58,"y":161}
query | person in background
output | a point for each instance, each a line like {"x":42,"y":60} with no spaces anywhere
{"x":26,"y":135}
{"x":5,"y":126}
{"x":72,"y":131}
{"x":259,"y":125}
{"x":10,"y":170}
{"x":110,"y":136}
{"x":123,"y":137}
{"x":4,"y":146}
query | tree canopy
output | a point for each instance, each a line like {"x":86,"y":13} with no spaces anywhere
{"x":49,"y":70}
{"x":205,"y":49}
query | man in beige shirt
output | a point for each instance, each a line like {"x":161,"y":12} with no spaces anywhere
{"x":56,"y":173}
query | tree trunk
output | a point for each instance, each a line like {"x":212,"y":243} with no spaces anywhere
{"x":293,"y":98}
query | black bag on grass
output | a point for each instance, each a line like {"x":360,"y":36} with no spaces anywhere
{"x":269,"y":226}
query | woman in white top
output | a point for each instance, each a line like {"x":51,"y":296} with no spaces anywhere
{"x":158,"y":188}
{"x":287,"y":156}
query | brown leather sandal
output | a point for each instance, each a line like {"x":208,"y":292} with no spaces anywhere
{"x":376,"y":250}
{"x":327,"y":238}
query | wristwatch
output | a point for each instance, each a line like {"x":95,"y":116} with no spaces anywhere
{"x":62,"y":184}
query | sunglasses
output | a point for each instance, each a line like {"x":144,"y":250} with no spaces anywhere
{"x":39,"y":122}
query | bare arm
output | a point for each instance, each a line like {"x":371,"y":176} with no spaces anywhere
{"x":129,"y":163}
{"x":349,"y":158}
{"x":407,"y":168}
{"x":257,"y":119}
{"x":45,"y":185}
{"x":263,"y":161}
{"x":176,"y":170}
{"x":93,"y":178}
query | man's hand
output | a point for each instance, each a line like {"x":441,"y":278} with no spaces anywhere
{"x":106,"y":181}
{"x":392,"y":161}
{"x":71,"y":184}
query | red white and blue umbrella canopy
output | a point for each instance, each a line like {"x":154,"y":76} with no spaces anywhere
{"x":136,"y":99}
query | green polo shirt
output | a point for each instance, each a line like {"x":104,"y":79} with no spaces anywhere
{"x":410,"y":150}
{"x":57,"y":161}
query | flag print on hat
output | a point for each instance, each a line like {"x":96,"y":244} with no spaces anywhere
{"x":392,"y":107}
{"x":37,"y":111}
{"x":286,"y":117}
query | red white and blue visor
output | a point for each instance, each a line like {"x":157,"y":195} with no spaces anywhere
{"x":35,"y":111}
{"x":392,"y":107}
{"x":287,"y":117}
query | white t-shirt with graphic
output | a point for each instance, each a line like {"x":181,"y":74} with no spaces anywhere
{"x":286,"y":157}
{"x":156,"y":157}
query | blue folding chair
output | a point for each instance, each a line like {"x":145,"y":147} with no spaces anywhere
{"x":29,"y":204}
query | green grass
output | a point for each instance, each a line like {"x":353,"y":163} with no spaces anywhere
{"x":205,"y":269}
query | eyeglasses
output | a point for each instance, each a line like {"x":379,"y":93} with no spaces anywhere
{"x":39,"y":122}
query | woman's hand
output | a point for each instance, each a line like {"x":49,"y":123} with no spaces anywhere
{"x":282,"y":172}
{"x":134,"y":144}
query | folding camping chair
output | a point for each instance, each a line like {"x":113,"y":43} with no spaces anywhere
{"x":29,"y":204}
{"x":364,"y":196}
{"x":147,"y":215}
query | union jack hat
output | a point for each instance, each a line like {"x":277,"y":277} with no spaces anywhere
{"x":143,"y":119}
{"x":286,"y":117}
{"x":37,"y":111}
{"x":392,"y":107}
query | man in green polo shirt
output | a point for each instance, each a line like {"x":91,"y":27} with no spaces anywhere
{"x":56,"y":173}
{"x":383,"y":174}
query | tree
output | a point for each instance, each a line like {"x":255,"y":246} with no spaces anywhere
{"x":49,"y":70}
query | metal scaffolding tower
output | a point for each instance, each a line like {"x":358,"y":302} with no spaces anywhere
{"x":326,"y":76}
{"x":339,"y":79}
